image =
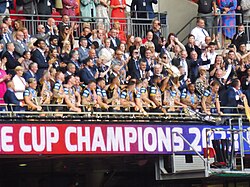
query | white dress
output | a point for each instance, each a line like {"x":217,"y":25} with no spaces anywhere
{"x":102,"y":12}
{"x":20,"y":84}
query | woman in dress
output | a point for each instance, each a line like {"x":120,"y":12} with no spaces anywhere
{"x":102,"y":12}
{"x":118,"y":11}
{"x":69,"y":7}
{"x":228,"y":21}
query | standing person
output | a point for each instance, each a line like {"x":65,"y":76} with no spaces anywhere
{"x":30,"y":7}
{"x":118,"y":11}
{"x":245,"y":5}
{"x":240,"y":37}
{"x":44,"y":7}
{"x":200,"y":33}
{"x":228,"y":21}
{"x":210,"y":102}
{"x":5,"y":7}
{"x":207,"y":10}
{"x":143,"y":9}
{"x":39,"y":57}
{"x":88,"y":9}
{"x":69,"y":7}
{"x":102,"y":12}
{"x":239,"y":18}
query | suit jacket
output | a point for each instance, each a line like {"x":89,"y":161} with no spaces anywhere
{"x":194,"y":68}
{"x":10,"y":98}
{"x":43,"y":8}
{"x":3,"y":5}
{"x":86,"y":76}
{"x":83,"y":54}
{"x":133,"y":67}
{"x":112,"y":45}
{"x":190,"y":49}
{"x":138,"y":5}
{"x":42,"y":36}
{"x":47,"y":30}
{"x":41,"y":61}
{"x":3,"y":41}
{"x":27,"y":75}
{"x":142,"y":50}
{"x":232,"y":100}
{"x":11,"y":63}
{"x":19,"y":49}
{"x":239,"y":39}
{"x":29,"y":7}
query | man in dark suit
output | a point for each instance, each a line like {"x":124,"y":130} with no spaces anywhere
{"x":10,"y":97}
{"x":12,"y":62}
{"x":31,"y":73}
{"x":5,"y":36}
{"x":234,"y":97}
{"x":137,"y":6}
{"x":30,"y":7}
{"x":240,"y":37}
{"x":141,"y":72}
{"x":133,"y":64}
{"x":195,"y":63}
{"x":39,"y":57}
{"x":44,"y":7}
{"x":115,"y":42}
{"x":65,"y":22}
{"x":20,"y":46}
{"x":88,"y":73}
{"x":138,"y":45}
{"x":5,"y":6}
{"x":51,"y":27}
{"x":184,"y":62}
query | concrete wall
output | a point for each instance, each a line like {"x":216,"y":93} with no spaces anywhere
{"x":179,"y":13}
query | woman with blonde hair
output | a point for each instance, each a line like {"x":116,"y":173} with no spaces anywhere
{"x":19,"y":82}
{"x":130,"y":41}
{"x":121,"y":34}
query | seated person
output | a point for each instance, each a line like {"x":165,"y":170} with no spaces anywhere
{"x":89,"y":97}
{"x":210,"y":101}
{"x":189,"y":97}
{"x":102,"y":98}
{"x":113,"y":93}
{"x":10,"y":97}
{"x":172,"y":97}
{"x":30,"y":96}
{"x":72,"y":97}
{"x":149,"y":104}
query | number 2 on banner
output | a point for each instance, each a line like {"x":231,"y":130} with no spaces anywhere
{"x":197,"y":138}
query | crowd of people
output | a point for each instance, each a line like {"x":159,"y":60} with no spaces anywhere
{"x":113,"y":72}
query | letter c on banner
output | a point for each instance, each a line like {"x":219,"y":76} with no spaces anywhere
{"x":24,"y":147}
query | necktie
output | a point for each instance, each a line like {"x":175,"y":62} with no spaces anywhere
{"x":136,"y":64}
{"x":203,"y":30}
{"x":7,"y":39}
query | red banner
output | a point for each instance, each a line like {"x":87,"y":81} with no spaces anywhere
{"x":83,"y":139}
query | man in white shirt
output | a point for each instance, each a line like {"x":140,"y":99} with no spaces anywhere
{"x":209,"y":54}
{"x":200,"y":33}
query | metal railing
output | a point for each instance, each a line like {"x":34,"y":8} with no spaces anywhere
{"x":129,"y":25}
{"x":8,"y":112}
{"x":216,"y":29}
